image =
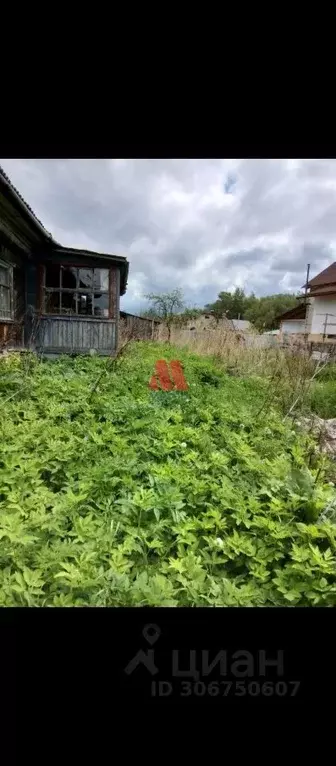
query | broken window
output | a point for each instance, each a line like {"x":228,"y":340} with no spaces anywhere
{"x":52,"y":303}
{"x":76,"y":291}
{"x":101,"y":305}
{"x":6,"y":291}
{"x":52,"y":275}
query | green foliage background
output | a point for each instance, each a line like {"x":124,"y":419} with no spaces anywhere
{"x":135,"y":497}
{"x":262,"y":312}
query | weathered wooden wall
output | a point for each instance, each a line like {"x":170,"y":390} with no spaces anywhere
{"x":11,"y":335}
{"x":139,"y":328}
{"x":70,"y":334}
{"x":11,"y":330}
{"x":64,"y":335}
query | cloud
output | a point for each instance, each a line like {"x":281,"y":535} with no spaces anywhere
{"x":203,"y":225}
{"x":230,"y":183}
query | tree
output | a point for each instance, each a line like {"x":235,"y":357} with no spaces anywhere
{"x":187,"y":314}
{"x":264,"y":311}
{"x":149,"y":313}
{"x":261,"y":312}
{"x":166,"y":306}
{"x":230,"y":304}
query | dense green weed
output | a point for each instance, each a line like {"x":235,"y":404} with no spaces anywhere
{"x":323,"y":398}
{"x":137,"y":497}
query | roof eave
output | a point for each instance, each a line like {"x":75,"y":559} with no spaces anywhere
{"x":320,"y":292}
{"x":24,"y":208}
{"x":119,"y":260}
{"x":47,"y":237}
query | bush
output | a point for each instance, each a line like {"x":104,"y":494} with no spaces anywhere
{"x":136,"y":497}
{"x":328,"y":372}
{"x":323,"y":399}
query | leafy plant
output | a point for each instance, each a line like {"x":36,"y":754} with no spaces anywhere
{"x":323,"y":398}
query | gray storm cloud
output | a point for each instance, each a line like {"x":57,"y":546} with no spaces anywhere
{"x":203,"y":225}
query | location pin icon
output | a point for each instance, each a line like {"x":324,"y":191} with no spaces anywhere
{"x":151,"y":633}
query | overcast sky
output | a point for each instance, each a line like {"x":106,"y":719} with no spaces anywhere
{"x":203,"y":225}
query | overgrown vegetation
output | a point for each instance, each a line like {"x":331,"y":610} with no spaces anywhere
{"x":288,"y":372}
{"x":113,"y":494}
{"x":323,"y":399}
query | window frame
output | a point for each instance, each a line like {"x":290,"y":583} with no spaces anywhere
{"x":44,"y":291}
{"x":10,"y":288}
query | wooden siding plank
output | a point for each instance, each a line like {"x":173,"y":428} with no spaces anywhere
{"x":88,"y":335}
{"x":40,"y":286}
{"x":69,"y":333}
{"x":56,"y":330}
{"x":44,"y":335}
{"x":114,"y":275}
{"x":95,"y":336}
{"x":117,"y":316}
{"x":73,"y":334}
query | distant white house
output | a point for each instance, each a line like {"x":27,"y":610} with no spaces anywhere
{"x":205,"y":321}
{"x":243,"y":325}
{"x":293,"y":321}
{"x":208,"y":321}
{"x":321,"y":309}
{"x":314,"y":318}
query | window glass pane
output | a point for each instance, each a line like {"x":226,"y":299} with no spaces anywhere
{"x":85,"y":279}
{"x":4,"y":276}
{"x":52,"y":303}
{"x":101,"y":305}
{"x":52,"y":275}
{"x":69,"y":277}
{"x":68,"y":303}
{"x":68,"y":281}
{"x":19,"y":292}
{"x":4,"y":302}
{"x":101,"y":279}
{"x":85,"y":304}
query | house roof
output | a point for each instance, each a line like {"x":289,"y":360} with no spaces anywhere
{"x":19,"y":202}
{"x":298,"y":312}
{"x":323,"y":290}
{"x":326,"y":277}
{"x":125,"y":314}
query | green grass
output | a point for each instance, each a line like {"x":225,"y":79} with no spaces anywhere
{"x":135,"y":497}
{"x":323,"y":399}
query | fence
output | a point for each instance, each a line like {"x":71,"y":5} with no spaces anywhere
{"x":139,"y":328}
{"x":222,"y":335}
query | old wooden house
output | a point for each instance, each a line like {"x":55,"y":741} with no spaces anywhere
{"x":54,"y":299}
